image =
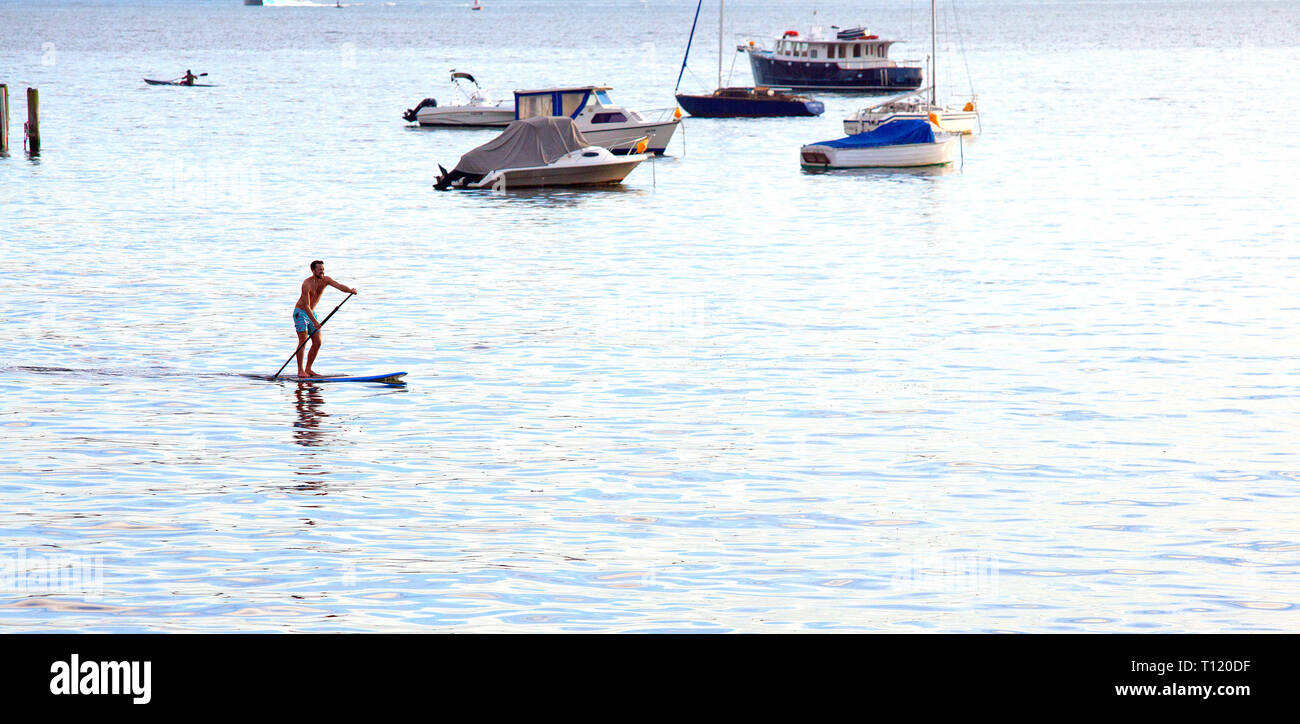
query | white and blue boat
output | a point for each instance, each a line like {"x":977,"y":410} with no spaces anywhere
{"x":617,"y":128}
{"x":900,"y":144}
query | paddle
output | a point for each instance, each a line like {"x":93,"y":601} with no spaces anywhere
{"x":304,"y":342}
{"x":200,"y":75}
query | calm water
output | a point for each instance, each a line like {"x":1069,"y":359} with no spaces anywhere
{"x":1054,"y":389}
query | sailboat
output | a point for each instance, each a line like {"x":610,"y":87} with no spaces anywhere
{"x":740,"y":102}
{"x":920,"y":104}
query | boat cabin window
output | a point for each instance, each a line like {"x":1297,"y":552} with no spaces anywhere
{"x":603,"y":97}
{"x":536,"y":105}
{"x":608,"y":118}
{"x":814,"y":53}
{"x":857,"y":50}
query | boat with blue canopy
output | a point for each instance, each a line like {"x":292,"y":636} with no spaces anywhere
{"x":900,"y":144}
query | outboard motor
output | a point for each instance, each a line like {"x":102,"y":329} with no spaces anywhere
{"x":456,"y":179}
{"x":411,"y":113}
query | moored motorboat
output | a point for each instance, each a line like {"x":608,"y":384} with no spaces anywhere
{"x":900,"y":144}
{"x":538,"y":151}
{"x":478,"y":110}
{"x":603,"y":123}
{"x":852,"y":61}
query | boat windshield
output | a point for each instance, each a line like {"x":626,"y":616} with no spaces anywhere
{"x":603,"y":97}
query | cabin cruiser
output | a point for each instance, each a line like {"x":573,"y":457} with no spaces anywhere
{"x":539,"y":151}
{"x":477,"y":110}
{"x":854,"y":60}
{"x":602,"y":122}
{"x":899,"y":144}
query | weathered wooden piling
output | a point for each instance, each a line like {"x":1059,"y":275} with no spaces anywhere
{"x":33,"y":122}
{"x":4,"y":118}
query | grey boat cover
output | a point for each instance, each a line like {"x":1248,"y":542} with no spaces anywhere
{"x":535,"y":141}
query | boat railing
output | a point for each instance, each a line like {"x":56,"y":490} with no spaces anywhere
{"x":658,"y":115}
{"x":754,"y":41}
{"x":623,"y":140}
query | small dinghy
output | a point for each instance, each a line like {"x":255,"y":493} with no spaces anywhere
{"x":900,"y":144}
{"x":539,"y":151}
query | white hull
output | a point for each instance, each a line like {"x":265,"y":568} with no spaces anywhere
{"x":952,"y":121}
{"x":910,"y":155}
{"x":623,"y":138}
{"x":480,"y":116}
{"x":591,"y":166}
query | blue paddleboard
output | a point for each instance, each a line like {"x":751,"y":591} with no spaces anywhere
{"x":392,"y":378}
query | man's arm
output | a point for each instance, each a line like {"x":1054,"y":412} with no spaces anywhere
{"x":340,"y":287}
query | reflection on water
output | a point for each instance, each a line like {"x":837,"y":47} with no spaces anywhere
{"x":309,"y":402}
{"x":888,"y":173}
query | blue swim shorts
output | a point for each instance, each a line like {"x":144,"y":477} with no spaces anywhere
{"x":302,"y":322}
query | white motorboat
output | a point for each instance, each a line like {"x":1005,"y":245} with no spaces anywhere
{"x":539,"y":151}
{"x":901,"y":144}
{"x":917,"y":105}
{"x":477,"y":110}
{"x":601,"y":121}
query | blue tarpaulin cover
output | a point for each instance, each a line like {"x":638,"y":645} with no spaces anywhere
{"x":894,"y":133}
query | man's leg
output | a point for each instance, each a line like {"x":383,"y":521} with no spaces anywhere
{"x":311,"y":355}
{"x":302,"y":337}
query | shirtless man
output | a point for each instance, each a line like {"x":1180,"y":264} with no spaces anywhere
{"x":304,"y":320}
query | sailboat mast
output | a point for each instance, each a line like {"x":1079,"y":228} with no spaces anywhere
{"x":689,"y":40}
{"x":934,"y":58}
{"x":720,"y":8}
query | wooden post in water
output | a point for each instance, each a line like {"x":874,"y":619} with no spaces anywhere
{"x":4,"y":118}
{"x":33,"y":122}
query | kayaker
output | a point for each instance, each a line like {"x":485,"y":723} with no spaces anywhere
{"x":304,"y":319}
{"x":189,"y":78}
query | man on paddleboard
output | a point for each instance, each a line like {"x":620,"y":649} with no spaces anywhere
{"x":304,"y":320}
